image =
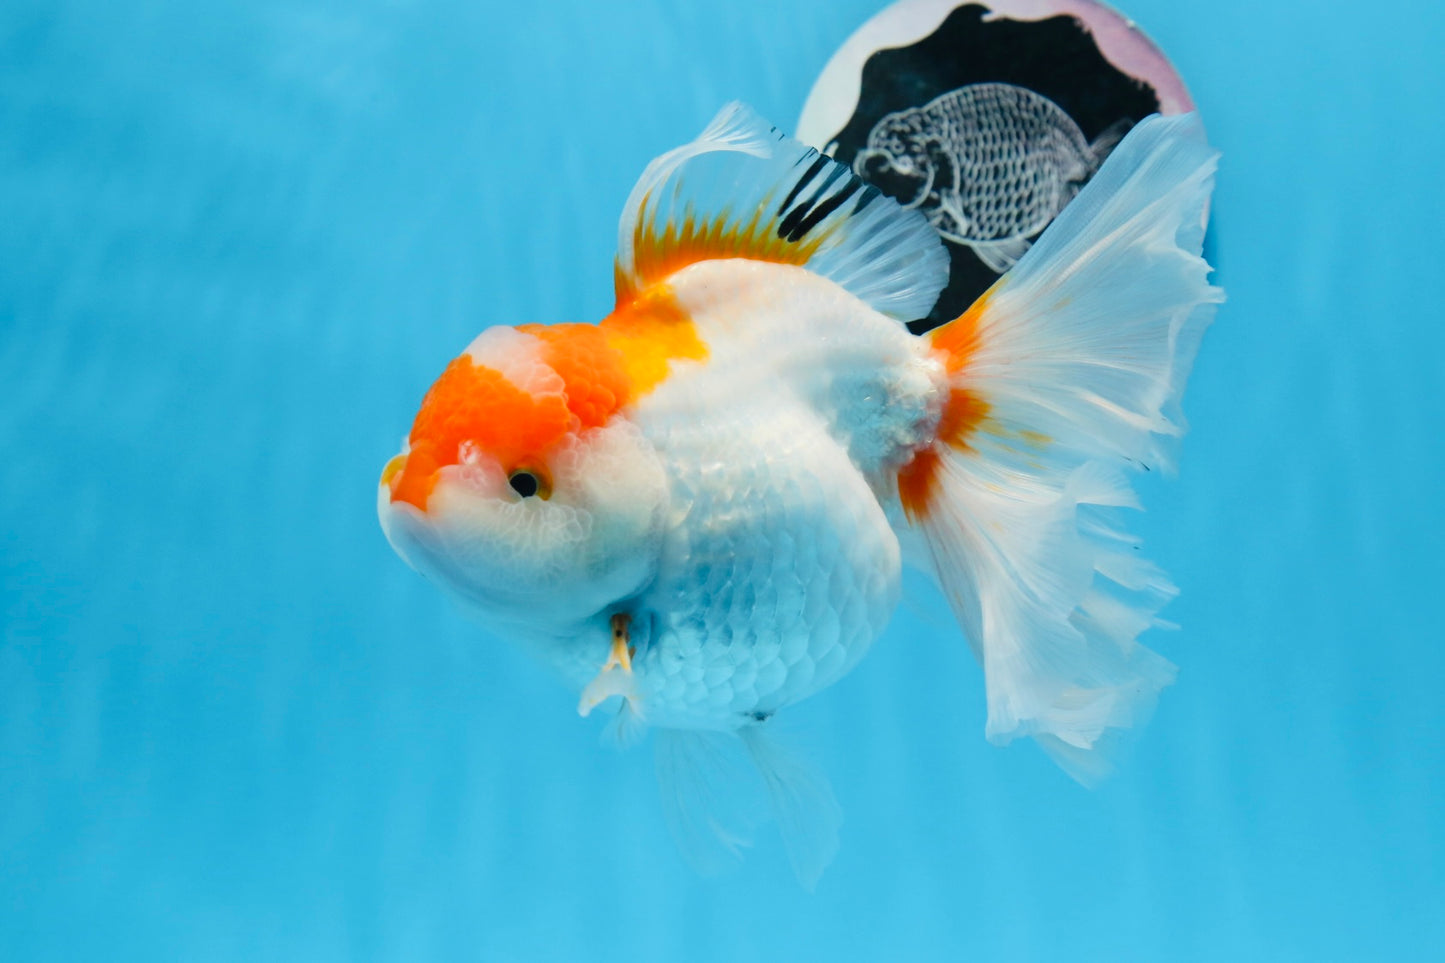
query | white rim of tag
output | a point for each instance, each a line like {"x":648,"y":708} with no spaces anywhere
{"x":834,"y":96}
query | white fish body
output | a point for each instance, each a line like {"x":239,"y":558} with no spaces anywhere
{"x":780,"y":566}
{"x":699,"y":505}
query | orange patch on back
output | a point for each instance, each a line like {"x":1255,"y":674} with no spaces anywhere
{"x":963,"y":412}
{"x":476,"y":404}
{"x":916,"y":483}
{"x":658,"y":255}
{"x":650,"y":331}
{"x":960,"y":338}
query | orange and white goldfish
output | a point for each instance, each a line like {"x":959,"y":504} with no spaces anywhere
{"x":702,"y":504}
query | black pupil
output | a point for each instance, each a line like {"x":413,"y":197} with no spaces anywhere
{"x":524,"y":483}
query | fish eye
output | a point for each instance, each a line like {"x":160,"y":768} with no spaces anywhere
{"x":528,"y":482}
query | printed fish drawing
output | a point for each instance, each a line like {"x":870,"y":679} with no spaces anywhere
{"x":698,"y":509}
{"x":990,"y":165}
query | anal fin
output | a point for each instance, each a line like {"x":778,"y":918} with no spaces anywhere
{"x":703,"y":782}
{"x":802,"y":802}
{"x":710,"y":799}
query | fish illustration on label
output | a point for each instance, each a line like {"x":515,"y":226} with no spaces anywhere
{"x":989,"y":165}
{"x":986,"y":116}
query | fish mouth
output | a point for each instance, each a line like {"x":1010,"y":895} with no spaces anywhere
{"x":394,"y":476}
{"x":412,"y":476}
{"x":393,"y":468}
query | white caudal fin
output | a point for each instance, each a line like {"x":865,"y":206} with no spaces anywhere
{"x":708,"y":799}
{"x":1068,"y":371}
{"x":745,"y":190}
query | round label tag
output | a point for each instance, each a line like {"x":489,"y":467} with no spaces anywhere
{"x":988,"y":117}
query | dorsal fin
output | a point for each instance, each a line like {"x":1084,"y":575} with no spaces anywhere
{"x":745,"y":190}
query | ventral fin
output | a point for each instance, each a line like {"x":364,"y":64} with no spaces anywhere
{"x":709,"y":799}
{"x":743,"y":189}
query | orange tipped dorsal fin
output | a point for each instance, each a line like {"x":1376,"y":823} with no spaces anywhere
{"x":742,"y":189}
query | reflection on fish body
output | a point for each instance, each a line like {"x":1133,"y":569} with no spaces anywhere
{"x":989,"y":164}
{"x":700,"y":507}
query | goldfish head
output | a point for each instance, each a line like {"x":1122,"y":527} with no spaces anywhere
{"x":522,"y":488}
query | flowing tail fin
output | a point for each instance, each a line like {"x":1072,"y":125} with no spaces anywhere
{"x":1067,"y":371}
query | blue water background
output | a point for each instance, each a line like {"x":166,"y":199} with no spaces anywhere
{"x":239,"y":239}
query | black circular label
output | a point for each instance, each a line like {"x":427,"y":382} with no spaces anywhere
{"x":987,"y":125}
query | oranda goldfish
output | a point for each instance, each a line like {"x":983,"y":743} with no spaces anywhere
{"x":701,"y":505}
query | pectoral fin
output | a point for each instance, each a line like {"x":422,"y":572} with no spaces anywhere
{"x":615,"y":677}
